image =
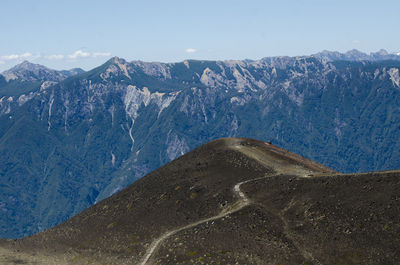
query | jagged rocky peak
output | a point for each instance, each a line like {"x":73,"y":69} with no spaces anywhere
{"x":117,"y":60}
{"x":144,"y":122}
{"x":328,"y":55}
{"x":116,"y":67}
{"x":156,"y":69}
{"x":120,"y":67}
{"x":356,"y":55}
{"x":26,"y":65}
{"x":301,"y":62}
{"x":381,"y":52}
{"x":27,"y":71}
{"x":353,"y":55}
{"x":279,"y":61}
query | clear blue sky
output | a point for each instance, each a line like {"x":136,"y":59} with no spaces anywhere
{"x":85,"y":33}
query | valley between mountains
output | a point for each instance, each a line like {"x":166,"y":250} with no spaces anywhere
{"x":231,"y":201}
{"x":69,"y":139}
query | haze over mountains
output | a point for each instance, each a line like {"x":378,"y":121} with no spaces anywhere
{"x":355,"y":55}
{"x":27,"y":71}
{"x":71,"y":138}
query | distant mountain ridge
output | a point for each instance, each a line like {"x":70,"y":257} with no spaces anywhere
{"x":27,"y":71}
{"x":356,"y":55}
{"x":65,"y":145}
{"x":27,"y":77}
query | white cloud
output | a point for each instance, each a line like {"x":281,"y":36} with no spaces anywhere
{"x":101,"y":54}
{"x":22,"y":56}
{"x":55,"y":57}
{"x":190,"y":50}
{"x":79,"y":54}
{"x":10,"y":57}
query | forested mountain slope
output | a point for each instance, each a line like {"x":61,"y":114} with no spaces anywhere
{"x":69,"y":142}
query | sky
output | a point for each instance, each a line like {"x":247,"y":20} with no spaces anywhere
{"x":86,"y":33}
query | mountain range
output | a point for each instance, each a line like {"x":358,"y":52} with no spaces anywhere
{"x":230,"y":201}
{"x":69,"y":139}
{"x":356,"y":55}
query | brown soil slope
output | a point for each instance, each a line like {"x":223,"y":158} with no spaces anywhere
{"x":231,"y":201}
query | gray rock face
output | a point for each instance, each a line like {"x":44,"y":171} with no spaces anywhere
{"x":24,"y":81}
{"x":76,"y":141}
{"x":27,"y":71}
{"x":355,"y":55}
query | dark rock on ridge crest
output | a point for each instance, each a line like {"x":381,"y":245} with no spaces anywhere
{"x":231,"y":201}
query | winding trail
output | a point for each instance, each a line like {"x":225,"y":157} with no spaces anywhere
{"x":240,"y":204}
{"x":279,"y":168}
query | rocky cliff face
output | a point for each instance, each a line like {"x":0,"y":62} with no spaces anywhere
{"x":75,"y":141}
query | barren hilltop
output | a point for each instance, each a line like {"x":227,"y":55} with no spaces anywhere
{"x":231,"y":201}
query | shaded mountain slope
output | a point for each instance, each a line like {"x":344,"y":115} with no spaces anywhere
{"x":231,"y":201}
{"x":27,"y":78}
{"x":103,"y":129}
